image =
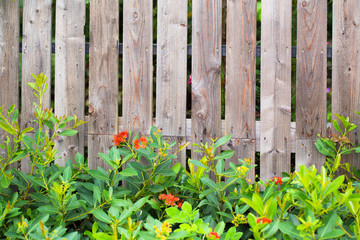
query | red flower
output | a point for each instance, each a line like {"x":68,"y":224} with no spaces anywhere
{"x":143,"y":140}
{"x":136,"y":144}
{"x":266,"y":220}
{"x":180,"y":203}
{"x":263,"y":220}
{"x":278,"y":180}
{"x":170,"y":200}
{"x":213,"y":235}
{"x":120,"y":138}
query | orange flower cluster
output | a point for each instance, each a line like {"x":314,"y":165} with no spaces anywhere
{"x":213,"y":235}
{"x":277,"y":180}
{"x":263,"y":220}
{"x":170,"y":200}
{"x":142,"y":140}
{"x":120,"y":138}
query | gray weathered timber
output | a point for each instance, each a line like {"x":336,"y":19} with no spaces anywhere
{"x":206,"y":69}
{"x":70,"y":73}
{"x":103,"y":80}
{"x":9,"y":59}
{"x":240,"y":79}
{"x":346,"y":68}
{"x":36,"y":58}
{"x":171,"y":71}
{"x":310,"y":80}
{"x":138,"y":66}
{"x":275,"y":88}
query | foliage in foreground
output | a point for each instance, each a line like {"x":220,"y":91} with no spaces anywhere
{"x":143,"y":196}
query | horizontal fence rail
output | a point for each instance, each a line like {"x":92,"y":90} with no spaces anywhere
{"x":222,"y":66}
{"x":189,"y":50}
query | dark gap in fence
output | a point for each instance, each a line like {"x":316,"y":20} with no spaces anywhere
{"x":258,"y":64}
{"x":329,"y":64}
{"x":292,"y":164}
{"x":293,"y":61}
{"x":120,"y":66}
{"x":189,"y":49}
{"x":258,"y":165}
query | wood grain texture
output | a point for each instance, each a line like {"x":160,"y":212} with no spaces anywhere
{"x":241,"y":79}
{"x":346,"y":68}
{"x":171,"y":71}
{"x":70,"y":73}
{"x":36,"y":58}
{"x":103,"y":80}
{"x":138,"y":66}
{"x":9,"y":59}
{"x":206,"y":69}
{"x":275,"y":88}
{"x":310,"y":80}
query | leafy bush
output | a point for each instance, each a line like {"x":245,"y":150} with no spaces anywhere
{"x":142,"y":195}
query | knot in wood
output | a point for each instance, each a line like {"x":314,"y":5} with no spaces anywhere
{"x":135,"y":15}
{"x":91,"y":110}
{"x":304,"y":3}
{"x":201,"y":114}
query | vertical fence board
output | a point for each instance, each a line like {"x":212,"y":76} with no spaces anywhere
{"x":171,"y":71}
{"x":275,"y":88}
{"x":36,"y":58}
{"x":138,"y":66}
{"x":310,"y":80}
{"x":9,"y":59}
{"x":346,"y":75}
{"x":206,"y":69}
{"x":70,"y":72}
{"x":103,"y":81}
{"x":241,"y":79}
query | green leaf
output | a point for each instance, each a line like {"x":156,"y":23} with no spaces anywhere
{"x":128,"y":172}
{"x":220,"y":166}
{"x":34,"y":224}
{"x":225,"y":154}
{"x":334,"y":234}
{"x":222,"y":141}
{"x":197,"y":163}
{"x":333,"y":186}
{"x":48,"y":209}
{"x":98,"y":175}
{"x":67,"y":174}
{"x":155,"y":188}
{"x":68,"y":132}
{"x":173,"y":212}
{"x":290,"y":229}
{"x":208,"y":182}
{"x":220,"y":228}
{"x":329,"y":224}
{"x":102,"y":216}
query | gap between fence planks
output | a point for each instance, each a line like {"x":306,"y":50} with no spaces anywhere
{"x":275,"y":88}
{"x":36,"y":59}
{"x":70,"y":73}
{"x":206,"y":70}
{"x":171,"y":77}
{"x":346,"y":75}
{"x":103,"y":79}
{"x":9,"y":60}
{"x":241,"y":79}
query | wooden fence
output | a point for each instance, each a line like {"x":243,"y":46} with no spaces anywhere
{"x":274,"y":136}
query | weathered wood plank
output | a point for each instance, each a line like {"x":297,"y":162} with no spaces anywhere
{"x":241,"y":79}
{"x":310,"y":80}
{"x":171,"y":71}
{"x":70,"y":73}
{"x":346,"y":68}
{"x":36,"y":58}
{"x":103,"y":79}
{"x":206,"y":69}
{"x":275,"y":88}
{"x":138,"y":66}
{"x":9,"y":59}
